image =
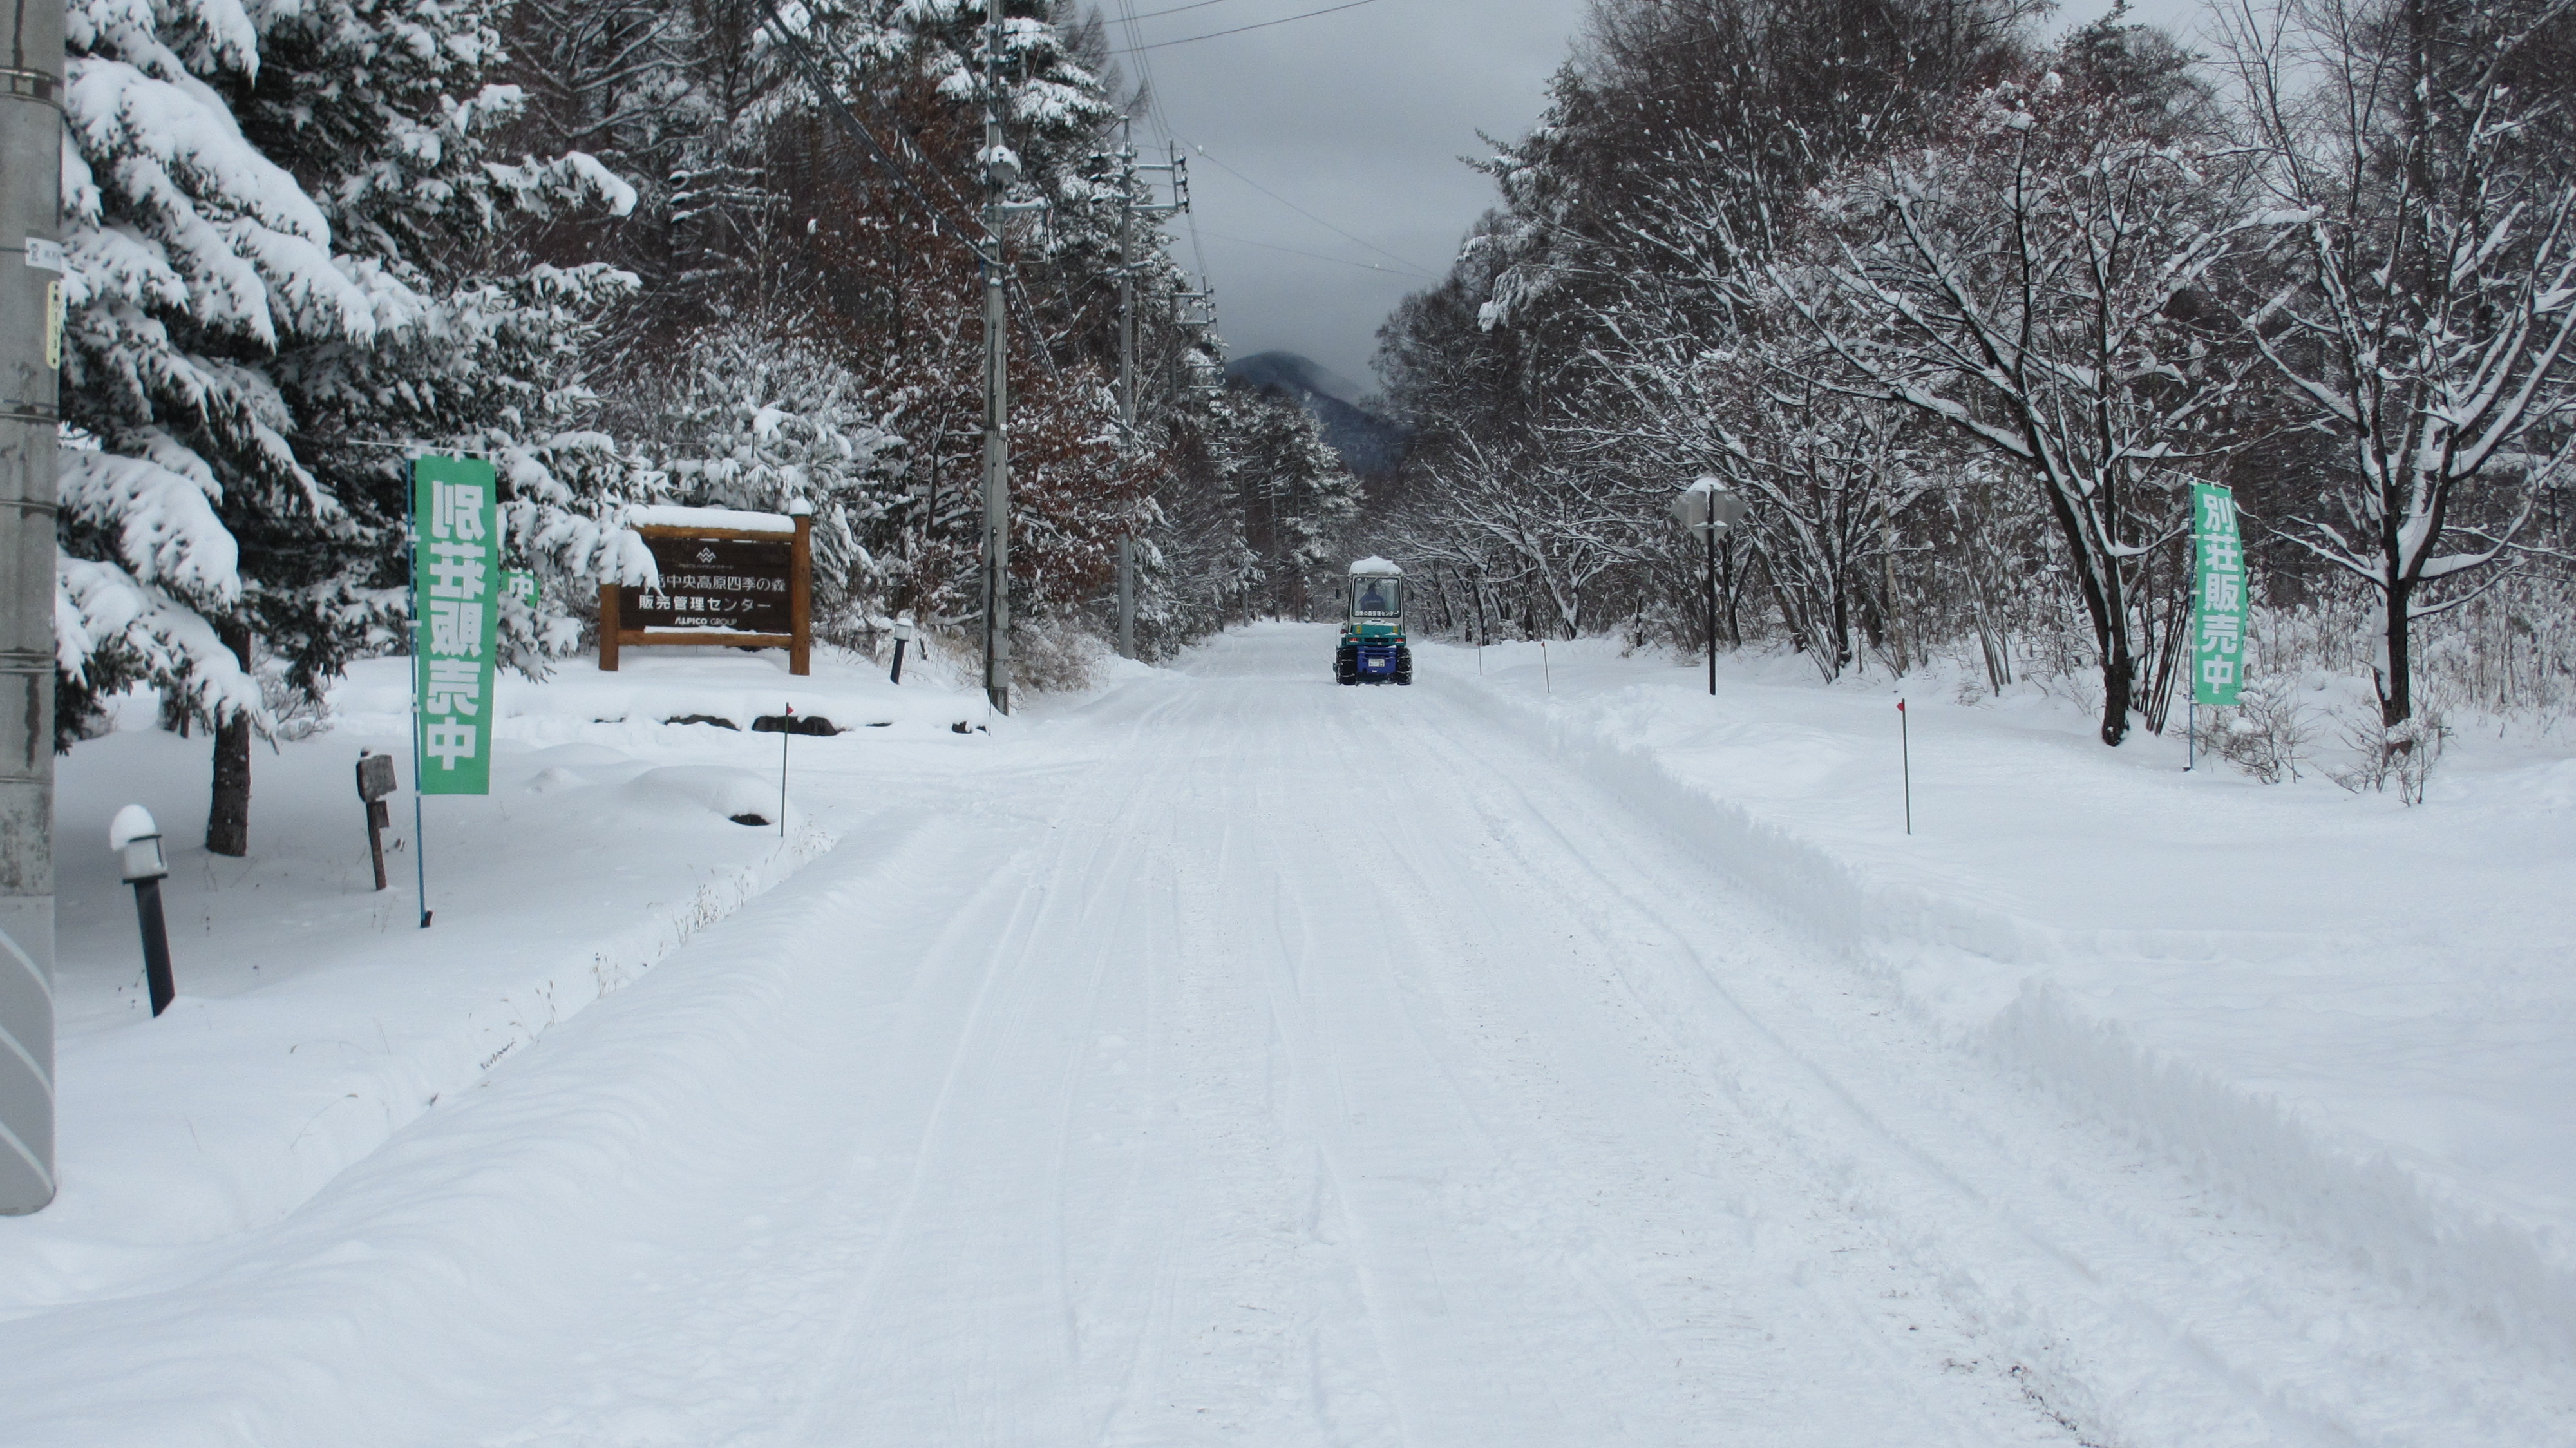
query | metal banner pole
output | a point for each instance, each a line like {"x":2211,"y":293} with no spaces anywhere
{"x":419,"y":835}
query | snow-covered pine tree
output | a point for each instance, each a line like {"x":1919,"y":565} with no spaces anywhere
{"x":758,"y":413}
{"x":289,"y":253}
{"x":1296,"y":497}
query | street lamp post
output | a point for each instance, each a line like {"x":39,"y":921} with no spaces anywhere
{"x":1708,"y":508}
{"x":902,"y":636}
{"x":137,"y":842}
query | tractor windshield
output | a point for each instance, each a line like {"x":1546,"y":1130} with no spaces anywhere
{"x":1375,"y":598}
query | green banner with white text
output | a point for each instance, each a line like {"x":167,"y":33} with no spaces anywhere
{"x":2218,"y":605}
{"x":456,"y":598}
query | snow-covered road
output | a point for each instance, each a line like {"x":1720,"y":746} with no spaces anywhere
{"x":1254,"y":1061}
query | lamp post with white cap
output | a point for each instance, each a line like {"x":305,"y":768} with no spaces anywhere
{"x":137,"y":842}
{"x":1707,"y":507}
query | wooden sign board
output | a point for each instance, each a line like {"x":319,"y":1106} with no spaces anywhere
{"x":744,"y":587}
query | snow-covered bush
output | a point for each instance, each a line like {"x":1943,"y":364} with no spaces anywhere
{"x":2401,"y":754}
{"x":1056,"y":656}
{"x":2265,"y":735}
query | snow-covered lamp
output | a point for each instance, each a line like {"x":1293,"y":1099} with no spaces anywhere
{"x":1706,"y":501}
{"x":137,"y":841}
{"x":902,"y":636}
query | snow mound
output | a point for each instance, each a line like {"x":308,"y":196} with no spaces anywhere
{"x":729,"y":792}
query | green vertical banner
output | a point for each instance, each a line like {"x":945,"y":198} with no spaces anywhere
{"x":456,"y":580}
{"x":2218,"y":612}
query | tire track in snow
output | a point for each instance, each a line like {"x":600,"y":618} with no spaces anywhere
{"x":1412,"y":1213}
{"x":2119,"y":1285}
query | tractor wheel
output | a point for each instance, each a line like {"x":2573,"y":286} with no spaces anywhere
{"x":1404,"y":666}
{"x":1346,"y":666}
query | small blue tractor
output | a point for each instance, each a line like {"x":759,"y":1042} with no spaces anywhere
{"x":1373,"y":650}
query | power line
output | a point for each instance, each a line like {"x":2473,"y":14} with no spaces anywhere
{"x":1175,"y":10}
{"x":1408,"y":263}
{"x":1319,"y":256}
{"x":1240,"y":29}
{"x":1162,"y":123}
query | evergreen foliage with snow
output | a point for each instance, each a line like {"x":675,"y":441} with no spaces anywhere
{"x":290,"y":250}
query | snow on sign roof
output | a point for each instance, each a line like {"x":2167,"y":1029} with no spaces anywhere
{"x":1375,"y":564}
{"x":667,"y":515}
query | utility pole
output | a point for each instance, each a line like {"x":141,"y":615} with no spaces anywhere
{"x":1127,"y":371}
{"x":31,"y":347}
{"x":999,"y":171}
{"x":1195,"y":312}
{"x":1128,"y":210}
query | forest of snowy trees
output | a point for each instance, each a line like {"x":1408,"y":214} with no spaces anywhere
{"x":622,"y":249}
{"x":1961,"y":312}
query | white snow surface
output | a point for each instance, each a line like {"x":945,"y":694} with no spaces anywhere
{"x":2355,"y":1013}
{"x":1545,"y":1054}
{"x":671,"y":515}
{"x":1374,"y":565}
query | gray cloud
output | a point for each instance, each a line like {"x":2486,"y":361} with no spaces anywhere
{"x":1359,"y":117}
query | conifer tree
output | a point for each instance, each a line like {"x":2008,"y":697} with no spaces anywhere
{"x":290,"y":251}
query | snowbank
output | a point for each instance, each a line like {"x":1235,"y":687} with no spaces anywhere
{"x":315,"y":1018}
{"x":2353,"y":1015}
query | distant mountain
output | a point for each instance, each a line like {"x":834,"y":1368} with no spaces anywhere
{"x":1370,"y":445}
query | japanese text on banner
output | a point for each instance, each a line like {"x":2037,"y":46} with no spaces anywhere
{"x":2218,"y":611}
{"x":456,"y":584}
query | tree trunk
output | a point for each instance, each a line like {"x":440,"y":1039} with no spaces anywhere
{"x":2119,"y":688}
{"x":228,"y":814}
{"x":2396,"y":697}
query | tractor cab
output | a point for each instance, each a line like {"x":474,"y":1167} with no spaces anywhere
{"x":1373,"y":650}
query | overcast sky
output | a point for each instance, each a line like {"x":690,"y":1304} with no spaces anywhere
{"x":1358,"y":117}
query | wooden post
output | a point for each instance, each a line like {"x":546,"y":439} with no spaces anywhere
{"x":378,"y":816}
{"x":800,"y":598}
{"x":608,"y":627}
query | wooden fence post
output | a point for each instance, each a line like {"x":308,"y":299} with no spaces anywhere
{"x":609,"y":624}
{"x":800,"y":598}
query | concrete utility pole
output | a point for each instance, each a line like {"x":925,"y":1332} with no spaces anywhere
{"x":1128,"y":210}
{"x":999,"y":172}
{"x":31,"y":346}
{"x":1127,"y":372}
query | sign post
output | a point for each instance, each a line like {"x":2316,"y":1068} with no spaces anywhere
{"x":2218,"y":605}
{"x":375,"y":781}
{"x":456,"y":588}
